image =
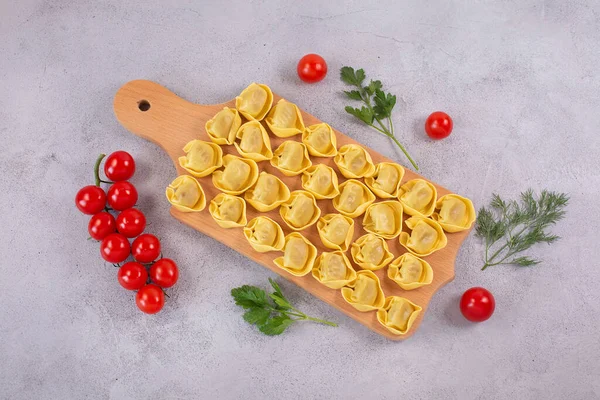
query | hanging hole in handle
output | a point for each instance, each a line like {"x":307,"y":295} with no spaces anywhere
{"x":144,"y":105}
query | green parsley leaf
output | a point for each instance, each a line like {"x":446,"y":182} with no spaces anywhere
{"x":353,"y":94}
{"x":276,"y":325}
{"x":249,"y":296}
{"x":373,"y":86}
{"x":257,"y":316}
{"x":364,"y":114}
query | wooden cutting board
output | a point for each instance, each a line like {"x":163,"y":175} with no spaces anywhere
{"x":157,"y":114}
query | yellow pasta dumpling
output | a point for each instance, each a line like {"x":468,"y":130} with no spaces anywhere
{"x":386,"y":180}
{"x":299,"y":255}
{"x":268,"y":193}
{"x":264,"y":234}
{"x":398,"y":314}
{"x":221,"y":128}
{"x":300,"y":211}
{"x":354,"y":198}
{"x":354,"y":161}
{"x":336,"y":231}
{"x":456,"y":213}
{"x":410,"y":272}
{"x":252,"y":141}
{"x":291,"y":158}
{"x":285,"y":119}
{"x":371,"y":252}
{"x":186,"y":194}
{"x":333,"y":269}
{"x":384,"y":219}
{"x":364,"y":293}
{"x":426,"y":237}
{"x":255,"y":101}
{"x":320,"y":140}
{"x":228,"y":211}
{"x":201,"y":158}
{"x":238,"y":175}
{"x":418,"y":197}
{"x":321,"y":181}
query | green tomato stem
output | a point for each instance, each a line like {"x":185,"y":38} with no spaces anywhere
{"x":97,"y":169}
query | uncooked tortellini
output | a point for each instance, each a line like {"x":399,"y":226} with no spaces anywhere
{"x":285,"y":119}
{"x":255,"y":101}
{"x":299,"y":255}
{"x":268,"y":193}
{"x":384,"y":219}
{"x":398,"y":314}
{"x":254,"y":142}
{"x":386,"y":180}
{"x":336,"y":231}
{"x":320,"y":140}
{"x":201,"y":158}
{"x":418,"y":197}
{"x":321,"y":180}
{"x":456,"y":213}
{"x":354,"y":161}
{"x":264,"y":234}
{"x":410,"y":272}
{"x":223,"y":126}
{"x":237,"y":176}
{"x":186,"y":194}
{"x":228,"y":211}
{"x":354,"y":198}
{"x":426,"y":237}
{"x":364,"y":293}
{"x":300,"y":211}
{"x":371,"y":252}
{"x":333,"y":270}
{"x":291,"y":158}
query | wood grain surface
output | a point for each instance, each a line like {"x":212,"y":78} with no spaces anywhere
{"x":153,"y":112}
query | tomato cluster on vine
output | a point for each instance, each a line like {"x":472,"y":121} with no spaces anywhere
{"x":148,"y":272}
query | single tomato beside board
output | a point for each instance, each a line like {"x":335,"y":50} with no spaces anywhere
{"x":312,"y":68}
{"x":477,"y":304}
{"x":438,"y":125}
{"x":119,"y":166}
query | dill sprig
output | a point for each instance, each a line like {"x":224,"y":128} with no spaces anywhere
{"x":519,"y":225}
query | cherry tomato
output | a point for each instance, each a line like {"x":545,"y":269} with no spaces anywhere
{"x":119,"y":166}
{"x":132,"y":275}
{"x":164,"y":272}
{"x":131,"y":222}
{"x":150,"y":299}
{"x":122,"y":195}
{"x":101,"y":225}
{"x":90,"y":199}
{"x":312,"y":68}
{"x":145,"y":248}
{"x":438,"y":125}
{"x":115,"y":248}
{"x":477,"y":304}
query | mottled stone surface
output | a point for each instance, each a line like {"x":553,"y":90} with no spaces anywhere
{"x":521,"y":80}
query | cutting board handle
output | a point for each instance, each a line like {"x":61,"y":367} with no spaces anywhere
{"x":153,"y":112}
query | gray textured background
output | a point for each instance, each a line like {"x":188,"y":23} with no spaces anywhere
{"x":522,"y":82}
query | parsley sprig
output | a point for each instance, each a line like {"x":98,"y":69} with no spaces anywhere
{"x":378,"y":105}
{"x":519,"y":225}
{"x":272,"y":313}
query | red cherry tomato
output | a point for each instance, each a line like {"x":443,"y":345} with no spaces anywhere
{"x":115,"y":248}
{"x":122,"y":195}
{"x":438,"y":125}
{"x":90,"y":199}
{"x":101,"y":225}
{"x":119,"y":166}
{"x":150,"y":299}
{"x":132,"y":275}
{"x":131,"y":222}
{"x":477,"y":304}
{"x":312,"y":68}
{"x":164,"y":272}
{"x":145,"y":248}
